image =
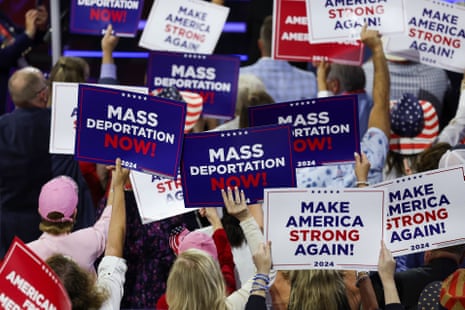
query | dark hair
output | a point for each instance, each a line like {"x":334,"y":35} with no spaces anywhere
{"x":232,"y":228}
{"x":266,"y":32}
{"x":454,"y":249}
{"x":394,"y":161}
{"x":79,"y":284}
{"x":351,"y":78}
{"x":429,"y":158}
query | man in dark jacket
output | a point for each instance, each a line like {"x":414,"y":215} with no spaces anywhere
{"x":26,"y":164}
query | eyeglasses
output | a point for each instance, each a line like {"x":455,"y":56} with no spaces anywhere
{"x":42,"y":89}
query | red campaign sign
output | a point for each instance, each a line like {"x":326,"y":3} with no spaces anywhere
{"x":26,"y":281}
{"x":291,"y":43}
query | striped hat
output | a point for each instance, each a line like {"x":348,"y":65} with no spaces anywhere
{"x":452,"y":295}
{"x":414,"y":125}
{"x":194,"y":103}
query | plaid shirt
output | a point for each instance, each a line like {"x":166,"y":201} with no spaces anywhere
{"x":283,"y":81}
{"x":424,"y":81}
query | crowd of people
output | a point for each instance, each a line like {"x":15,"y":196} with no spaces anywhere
{"x":82,"y":218}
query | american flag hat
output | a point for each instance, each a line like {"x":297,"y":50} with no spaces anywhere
{"x":414,"y":125}
{"x":176,"y":236}
{"x":194,"y":103}
{"x":452,"y":294}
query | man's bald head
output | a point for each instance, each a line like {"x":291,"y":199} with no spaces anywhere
{"x":25,"y":86}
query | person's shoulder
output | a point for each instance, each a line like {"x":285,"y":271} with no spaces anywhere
{"x":249,"y":68}
{"x":304,"y":73}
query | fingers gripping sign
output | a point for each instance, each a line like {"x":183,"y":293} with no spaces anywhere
{"x":235,"y":202}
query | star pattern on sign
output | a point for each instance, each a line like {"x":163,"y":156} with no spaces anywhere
{"x":195,"y":56}
{"x":407,"y":119}
{"x":134,"y":96}
{"x":233,"y":133}
{"x":302,"y":103}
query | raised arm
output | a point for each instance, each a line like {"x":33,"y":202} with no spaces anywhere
{"x":108,"y":67}
{"x":117,"y":229}
{"x":379,"y":116}
{"x":386,"y":269}
{"x":235,"y":203}
{"x":454,"y":132}
{"x":322,"y":70}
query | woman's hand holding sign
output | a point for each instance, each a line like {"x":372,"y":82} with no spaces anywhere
{"x":235,"y":203}
{"x":362,"y":167}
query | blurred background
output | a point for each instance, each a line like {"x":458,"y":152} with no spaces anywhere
{"x":239,"y":37}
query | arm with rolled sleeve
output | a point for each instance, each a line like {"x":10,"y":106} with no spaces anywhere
{"x":112,"y":268}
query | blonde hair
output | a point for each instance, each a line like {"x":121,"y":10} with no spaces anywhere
{"x":56,"y":228}
{"x":79,"y":284}
{"x":317,"y":289}
{"x":69,"y":69}
{"x":195,"y":282}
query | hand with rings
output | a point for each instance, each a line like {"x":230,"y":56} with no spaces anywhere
{"x":235,"y":203}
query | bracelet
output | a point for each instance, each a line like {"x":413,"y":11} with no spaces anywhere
{"x":259,"y":286}
{"x":362,"y":183}
{"x":360,"y":280}
{"x":256,"y":290}
{"x":260,"y":276}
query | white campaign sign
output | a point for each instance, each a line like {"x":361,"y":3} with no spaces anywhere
{"x":425,"y":211}
{"x":322,"y":228}
{"x":157,"y":198}
{"x":435,"y":35}
{"x":336,"y":21}
{"x":192,"y":26}
{"x":64,"y":112}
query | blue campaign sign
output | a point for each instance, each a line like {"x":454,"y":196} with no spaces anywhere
{"x":146,"y":132}
{"x":214,"y":77}
{"x":251,"y":159}
{"x":325,"y":130}
{"x":92,"y":17}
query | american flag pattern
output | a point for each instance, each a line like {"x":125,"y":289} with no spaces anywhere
{"x":194,"y":103}
{"x":401,"y":143}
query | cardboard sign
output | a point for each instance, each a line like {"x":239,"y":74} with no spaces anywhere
{"x":435,"y":35}
{"x":27,"y":282}
{"x":64,"y":113}
{"x":334,"y":20}
{"x":251,"y":159}
{"x":325,"y":130}
{"x":92,"y":17}
{"x":192,"y":26}
{"x":157,"y":198}
{"x":322,"y":228}
{"x":290,"y":38}
{"x":424,"y":211}
{"x":214,"y":77}
{"x":146,"y":132}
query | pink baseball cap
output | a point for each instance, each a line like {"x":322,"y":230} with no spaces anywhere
{"x":59,"y":195}
{"x":182,"y":239}
{"x":201,"y":241}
